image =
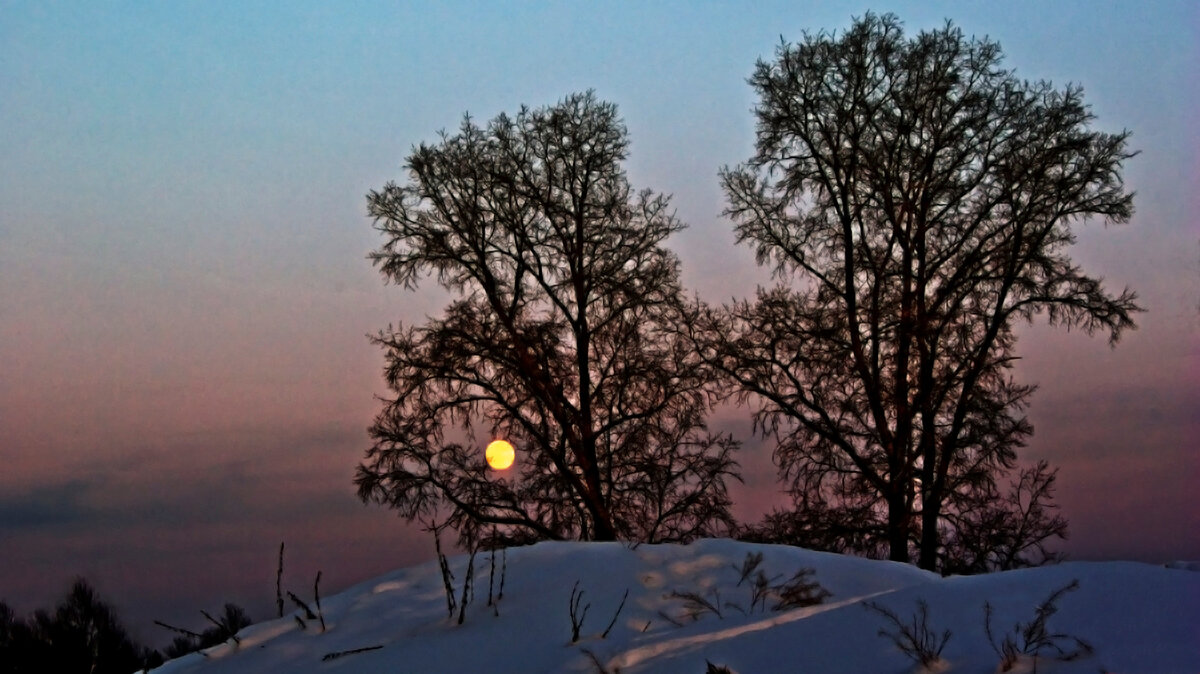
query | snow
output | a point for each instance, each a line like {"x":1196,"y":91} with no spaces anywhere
{"x":1137,"y":617}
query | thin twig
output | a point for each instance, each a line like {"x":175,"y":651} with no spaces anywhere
{"x":462,"y":605}
{"x":300,"y":602}
{"x":177,"y":629}
{"x":447,"y":576}
{"x":317,"y":596}
{"x":491,"y":572}
{"x":339,"y":654}
{"x":222,"y":627}
{"x":279,"y":582}
{"x":614,"y":618}
{"x":187,"y":633}
{"x":503,"y":571}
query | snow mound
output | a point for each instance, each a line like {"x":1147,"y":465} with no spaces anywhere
{"x":1136,"y":617}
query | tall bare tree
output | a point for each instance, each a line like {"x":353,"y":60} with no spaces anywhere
{"x":561,"y":339}
{"x":915,"y":200}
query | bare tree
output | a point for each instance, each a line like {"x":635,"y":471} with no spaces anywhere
{"x":561,"y":338}
{"x":915,"y":201}
{"x":993,"y":531}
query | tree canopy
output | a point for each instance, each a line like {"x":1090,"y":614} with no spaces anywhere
{"x":561,"y":338}
{"x":915,"y":200}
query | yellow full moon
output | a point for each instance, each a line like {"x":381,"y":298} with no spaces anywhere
{"x":499,"y":454}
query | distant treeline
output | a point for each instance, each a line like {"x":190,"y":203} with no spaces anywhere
{"x":83,"y":634}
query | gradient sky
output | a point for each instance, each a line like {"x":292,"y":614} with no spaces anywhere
{"x":185,"y":379}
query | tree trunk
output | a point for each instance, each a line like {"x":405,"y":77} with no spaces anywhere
{"x":931,"y":512}
{"x":604,"y":530}
{"x":932,"y":495}
{"x":897,"y":527}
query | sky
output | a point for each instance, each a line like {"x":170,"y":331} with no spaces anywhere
{"x":185,"y":299}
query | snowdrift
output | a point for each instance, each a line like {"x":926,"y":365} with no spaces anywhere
{"x":1136,"y":617}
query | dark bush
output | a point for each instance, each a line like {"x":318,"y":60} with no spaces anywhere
{"x":82,"y":634}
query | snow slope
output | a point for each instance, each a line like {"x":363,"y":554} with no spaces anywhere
{"x":1138,"y":618}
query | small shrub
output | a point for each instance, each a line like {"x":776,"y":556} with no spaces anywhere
{"x":696,"y":605}
{"x":577,"y":616}
{"x":760,"y":591}
{"x":223,"y":629}
{"x":180,"y":646}
{"x":232,"y":620}
{"x":914,"y":639}
{"x":796,"y":592}
{"x":749,"y":566}
{"x":799,"y":592}
{"x":600,"y":668}
{"x":1034,"y":638}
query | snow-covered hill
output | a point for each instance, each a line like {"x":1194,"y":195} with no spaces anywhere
{"x":1137,"y":617}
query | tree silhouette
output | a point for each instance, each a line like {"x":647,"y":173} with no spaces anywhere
{"x":561,"y":338}
{"x":82,"y":634}
{"x":919,"y":199}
